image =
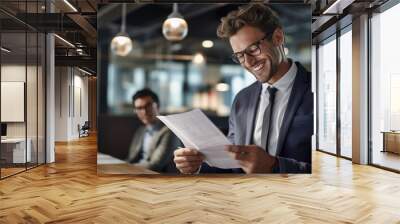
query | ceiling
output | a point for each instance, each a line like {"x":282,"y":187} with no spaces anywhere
{"x":144,"y":25}
{"x":77,"y":27}
{"x":333,"y":15}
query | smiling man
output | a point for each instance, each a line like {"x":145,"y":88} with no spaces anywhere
{"x":271,"y":121}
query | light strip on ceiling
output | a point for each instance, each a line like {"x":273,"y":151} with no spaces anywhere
{"x":84,"y":71}
{"x":70,"y":5}
{"x":337,"y":7}
{"x":328,"y":10}
{"x":5,"y":50}
{"x":65,"y":41}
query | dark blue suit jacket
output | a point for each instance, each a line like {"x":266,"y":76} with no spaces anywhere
{"x":294,"y":142}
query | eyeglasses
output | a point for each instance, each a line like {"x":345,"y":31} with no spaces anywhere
{"x":146,"y":107}
{"x":252,"y":50}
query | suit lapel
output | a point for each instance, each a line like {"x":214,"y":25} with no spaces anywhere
{"x":155,"y":140}
{"x":137,"y":143}
{"x":298,"y":90}
{"x":251,"y":113}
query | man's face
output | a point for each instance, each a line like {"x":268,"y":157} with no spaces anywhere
{"x":146,"y":109}
{"x":264,"y":65}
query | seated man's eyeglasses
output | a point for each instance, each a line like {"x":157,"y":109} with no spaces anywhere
{"x":252,"y":50}
{"x":147,"y":107}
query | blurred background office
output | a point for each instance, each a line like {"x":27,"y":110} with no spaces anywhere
{"x":188,"y":69}
{"x":195,"y":72}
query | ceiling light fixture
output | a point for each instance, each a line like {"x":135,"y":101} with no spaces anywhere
{"x":5,"y":50}
{"x":121,"y":44}
{"x":64,"y":40}
{"x":286,"y":50}
{"x":175,"y":28}
{"x":337,"y":7}
{"x":207,"y":44}
{"x":70,"y":5}
{"x":79,"y":51}
{"x":84,"y":71}
{"x":198,"y":59}
{"x":222,"y":87}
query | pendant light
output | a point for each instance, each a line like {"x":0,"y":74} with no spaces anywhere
{"x":175,"y":27}
{"x":121,"y":44}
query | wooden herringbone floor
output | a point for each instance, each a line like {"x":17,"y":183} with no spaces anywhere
{"x":70,"y":191}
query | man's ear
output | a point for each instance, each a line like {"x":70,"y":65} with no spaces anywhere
{"x":278,"y":37}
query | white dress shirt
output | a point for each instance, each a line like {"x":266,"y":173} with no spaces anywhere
{"x":151,"y":130}
{"x":148,"y":135}
{"x":284,"y":86}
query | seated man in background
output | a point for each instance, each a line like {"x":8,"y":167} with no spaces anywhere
{"x":153,"y":143}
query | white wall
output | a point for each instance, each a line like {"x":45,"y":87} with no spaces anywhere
{"x":71,"y":102}
{"x":33,"y":126}
{"x":50,"y":94}
{"x":61,"y":103}
{"x":16,"y":73}
{"x":360,"y":90}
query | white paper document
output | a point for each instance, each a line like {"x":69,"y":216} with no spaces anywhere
{"x":196,"y":131}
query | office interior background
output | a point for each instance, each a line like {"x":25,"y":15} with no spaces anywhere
{"x":49,"y":76}
{"x":195,"y":72}
{"x":357,"y":82}
{"x":37,"y":106}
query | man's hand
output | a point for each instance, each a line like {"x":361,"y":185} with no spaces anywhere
{"x":252,"y":158}
{"x":188,"y":160}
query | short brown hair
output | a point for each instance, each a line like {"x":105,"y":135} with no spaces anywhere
{"x":256,"y":15}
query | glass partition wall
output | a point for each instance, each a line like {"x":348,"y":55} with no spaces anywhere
{"x":345,"y":62}
{"x":334,"y":94}
{"x":327,"y":95}
{"x":13,"y":110}
{"x":385,"y":89}
{"x":334,"y":125}
{"x":22,"y":77}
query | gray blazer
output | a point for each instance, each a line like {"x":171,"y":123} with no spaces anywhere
{"x":161,"y":152}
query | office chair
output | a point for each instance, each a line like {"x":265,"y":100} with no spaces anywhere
{"x":84,"y":130}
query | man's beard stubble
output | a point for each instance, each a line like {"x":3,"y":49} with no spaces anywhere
{"x":280,"y":55}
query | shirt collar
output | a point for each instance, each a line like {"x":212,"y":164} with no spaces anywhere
{"x":154,"y":127}
{"x":285,"y":82}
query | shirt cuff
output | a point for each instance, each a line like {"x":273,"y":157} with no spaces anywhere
{"x":277,"y":166}
{"x":198,"y":171}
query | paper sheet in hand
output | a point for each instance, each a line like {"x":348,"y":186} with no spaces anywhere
{"x":196,"y":131}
